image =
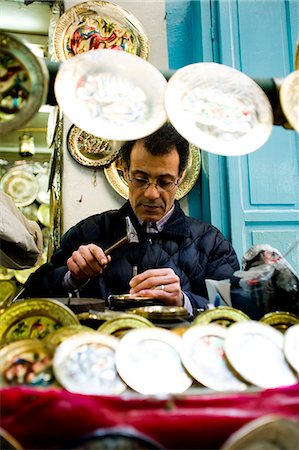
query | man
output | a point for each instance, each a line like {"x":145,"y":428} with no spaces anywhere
{"x":175,"y":253}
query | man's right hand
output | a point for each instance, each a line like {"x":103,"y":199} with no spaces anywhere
{"x":87,"y":262}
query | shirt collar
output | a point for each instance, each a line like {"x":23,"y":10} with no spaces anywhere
{"x":157,"y":227}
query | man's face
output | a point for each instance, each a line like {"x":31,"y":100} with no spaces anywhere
{"x":151,"y":203}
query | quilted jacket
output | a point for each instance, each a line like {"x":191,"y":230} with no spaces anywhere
{"x":194,"y":249}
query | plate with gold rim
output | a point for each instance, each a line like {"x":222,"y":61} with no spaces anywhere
{"x":23,"y":86}
{"x":281,"y":320}
{"x":114,"y":175}
{"x":204,"y":358}
{"x":21,"y":186}
{"x":34,"y":318}
{"x":160,"y":312}
{"x":121,"y":325}
{"x":289,"y":98}
{"x":255,"y":351}
{"x":148,"y":360}
{"x":222,"y":315}
{"x":89,"y":150}
{"x":98,"y":24}
{"x":291,"y":347}
{"x":53,"y":339}
{"x":26,"y":362}
{"x":85,"y":364}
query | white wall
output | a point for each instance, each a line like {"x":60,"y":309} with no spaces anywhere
{"x":86,"y":184}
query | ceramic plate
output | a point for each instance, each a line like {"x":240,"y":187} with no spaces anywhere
{"x":43,"y":195}
{"x":89,"y":150}
{"x":219,"y":109}
{"x":21,"y":186}
{"x":103,"y":93}
{"x":114,"y":175}
{"x":92,"y":25}
{"x":23,"y":86}
{"x":289,"y":99}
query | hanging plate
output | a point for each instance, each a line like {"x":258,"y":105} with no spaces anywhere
{"x":114,"y":175}
{"x":289,"y":99}
{"x":219,"y":109}
{"x":89,"y":150}
{"x":21,"y":186}
{"x":92,"y":25}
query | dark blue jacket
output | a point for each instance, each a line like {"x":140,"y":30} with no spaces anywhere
{"x":194,"y":249}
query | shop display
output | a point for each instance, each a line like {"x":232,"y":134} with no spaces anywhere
{"x":98,"y":24}
{"x":219,"y":109}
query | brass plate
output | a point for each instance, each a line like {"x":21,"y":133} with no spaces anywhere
{"x":289,"y":99}
{"x":114,"y":175}
{"x":219,"y":109}
{"x":43,"y":195}
{"x":204,"y":358}
{"x":52,"y":125}
{"x":86,"y":364}
{"x":296,"y":63}
{"x":255,"y":351}
{"x":99,"y":24}
{"x":281,"y":320}
{"x":6,"y":274}
{"x":8,"y":291}
{"x":25,"y":362}
{"x":222,"y":315}
{"x":34,"y":318}
{"x":23,"y":83}
{"x":272,"y":432}
{"x":43,"y":214}
{"x":30,"y":211}
{"x":102,"y":93}
{"x":21,"y":186}
{"x":291,"y":347}
{"x":89,"y":150}
{"x":160,"y":312}
{"x":149,"y":361}
{"x":119,"y":326}
{"x":53,"y":339}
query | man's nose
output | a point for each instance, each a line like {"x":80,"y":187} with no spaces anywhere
{"x":152,"y":191}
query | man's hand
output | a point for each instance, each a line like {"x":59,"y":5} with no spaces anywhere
{"x":87,"y":262}
{"x":162,"y":284}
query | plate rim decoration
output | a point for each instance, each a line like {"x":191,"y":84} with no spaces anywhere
{"x":221,"y":312}
{"x":288,"y":89}
{"x":73,"y":148}
{"x":39,"y":79}
{"x":73,"y":14}
{"x":29,"y":177}
{"x":33,"y":307}
{"x":117,"y":182}
{"x":130,"y":321}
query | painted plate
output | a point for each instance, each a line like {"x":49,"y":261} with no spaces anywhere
{"x":34,"y":318}
{"x":289,"y":99}
{"x":204,"y":358}
{"x":255,"y":351}
{"x":219,"y":109}
{"x":102,"y":93}
{"x":149,"y":361}
{"x":114,"y":175}
{"x":21,"y":186}
{"x":23,"y":83}
{"x":85,"y":364}
{"x":89,"y":150}
{"x":98,"y":25}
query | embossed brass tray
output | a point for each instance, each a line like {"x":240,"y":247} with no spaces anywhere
{"x":119,"y":326}
{"x":222,"y":315}
{"x":204,"y":358}
{"x":89,"y":150}
{"x":281,"y":320}
{"x":98,"y":24}
{"x":21,"y":186}
{"x":23,"y":83}
{"x":159,"y":312}
{"x":85,"y":364}
{"x":114,"y":175}
{"x":34,"y":318}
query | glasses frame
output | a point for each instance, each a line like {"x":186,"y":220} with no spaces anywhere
{"x":159,"y":188}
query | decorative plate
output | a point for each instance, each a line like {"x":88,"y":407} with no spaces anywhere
{"x":23,"y":83}
{"x":34,"y":318}
{"x":255,"y":351}
{"x":296,"y":62}
{"x":158,"y":312}
{"x":222,"y":315}
{"x":100,"y":24}
{"x":204,"y":358}
{"x":26,"y":362}
{"x":102,"y":93}
{"x":43,"y":195}
{"x":149,"y":361}
{"x":119,"y":326}
{"x":43,"y":214}
{"x":114,"y":175}
{"x":89,"y":150}
{"x":291,"y":347}
{"x":289,"y":99}
{"x":21,"y":186}
{"x":219,"y":109}
{"x":55,"y":338}
{"x":86,"y":364}
{"x":281,"y":320}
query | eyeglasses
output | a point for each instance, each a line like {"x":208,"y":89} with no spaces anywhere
{"x":160,"y":184}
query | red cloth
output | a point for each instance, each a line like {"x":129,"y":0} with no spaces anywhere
{"x":55,"y":418}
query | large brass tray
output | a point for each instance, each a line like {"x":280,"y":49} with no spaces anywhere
{"x":115,"y":178}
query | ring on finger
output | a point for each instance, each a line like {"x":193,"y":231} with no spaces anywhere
{"x":162,"y":287}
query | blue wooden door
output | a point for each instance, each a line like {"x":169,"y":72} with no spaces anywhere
{"x":252,"y":199}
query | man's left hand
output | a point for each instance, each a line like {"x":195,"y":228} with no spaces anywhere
{"x":162,"y":284}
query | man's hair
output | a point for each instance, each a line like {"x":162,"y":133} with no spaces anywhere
{"x":161,"y":142}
